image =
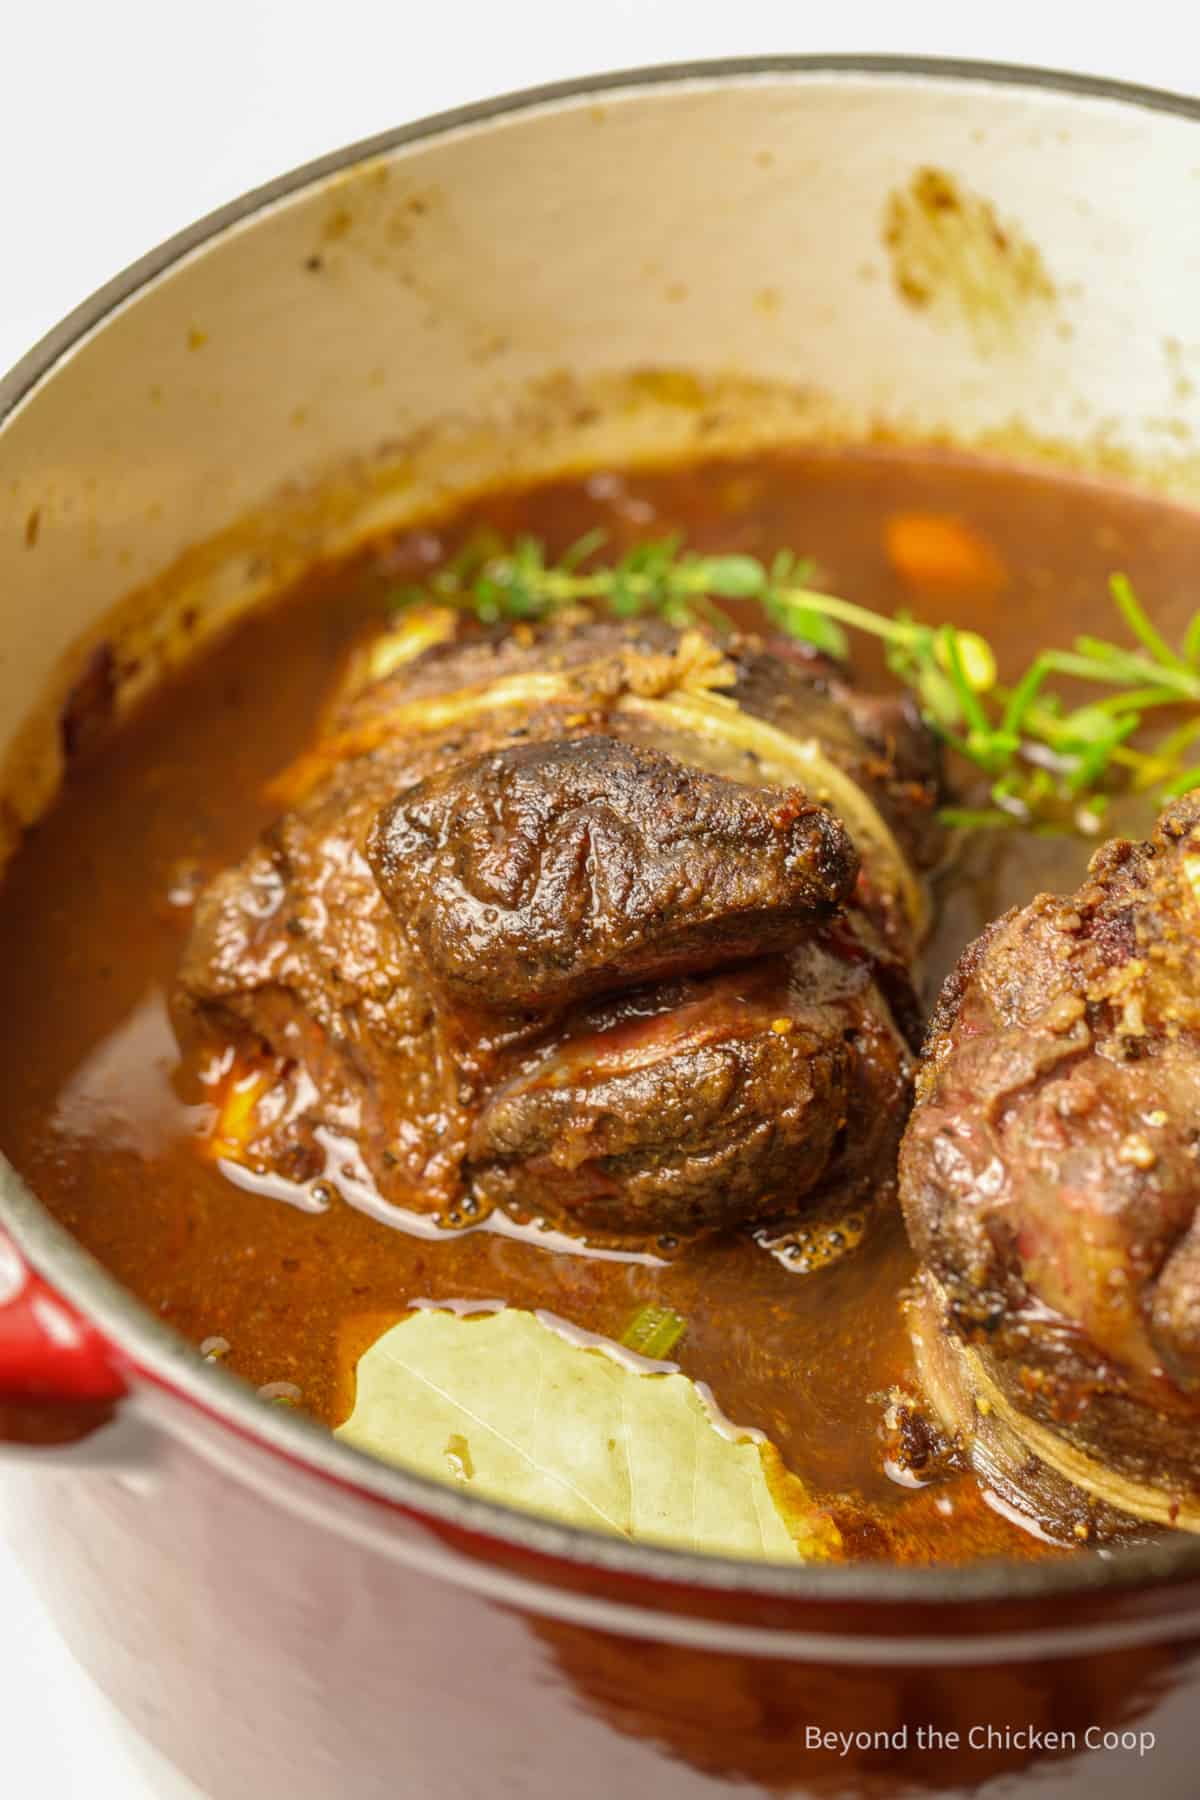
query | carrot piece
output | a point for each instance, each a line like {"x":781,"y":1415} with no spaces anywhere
{"x":233,"y":1126}
{"x":937,"y":553}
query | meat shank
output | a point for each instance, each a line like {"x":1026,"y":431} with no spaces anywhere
{"x":600,"y":921}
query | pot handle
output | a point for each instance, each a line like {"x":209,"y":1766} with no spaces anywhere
{"x":60,"y":1379}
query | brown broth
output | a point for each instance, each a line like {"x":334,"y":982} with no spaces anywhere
{"x":97,"y":1114}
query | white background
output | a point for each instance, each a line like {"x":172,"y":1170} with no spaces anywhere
{"x":122,"y":121}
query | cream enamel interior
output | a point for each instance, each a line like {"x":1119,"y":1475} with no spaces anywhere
{"x":634,"y":274}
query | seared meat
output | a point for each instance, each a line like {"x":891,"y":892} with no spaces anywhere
{"x":703,"y":1102}
{"x":532,"y":876}
{"x":1050,"y":1175}
{"x":602,"y":922}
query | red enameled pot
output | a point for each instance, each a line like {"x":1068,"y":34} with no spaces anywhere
{"x":624,"y":268}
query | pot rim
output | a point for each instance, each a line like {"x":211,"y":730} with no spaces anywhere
{"x":164,"y":1359}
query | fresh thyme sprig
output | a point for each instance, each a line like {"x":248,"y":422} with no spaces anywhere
{"x":1050,"y":765}
{"x":497,"y":581}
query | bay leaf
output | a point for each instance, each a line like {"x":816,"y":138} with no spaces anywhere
{"x":516,"y":1411}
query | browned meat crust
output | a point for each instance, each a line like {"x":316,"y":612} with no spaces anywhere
{"x":1051,"y":1171}
{"x":709,"y":1102}
{"x":540,"y":874}
{"x":548,"y":924}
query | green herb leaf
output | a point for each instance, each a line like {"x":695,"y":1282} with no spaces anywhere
{"x":808,"y":625}
{"x":1127,"y":601}
{"x":1191,"y":642}
{"x":1182,"y":784}
{"x":654,"y":1331}
{"x":582,"y":548}
{"x":1046,"y":760}
{"x":734,"y":577}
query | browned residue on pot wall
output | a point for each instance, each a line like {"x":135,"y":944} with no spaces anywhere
{"x":952,"y":256}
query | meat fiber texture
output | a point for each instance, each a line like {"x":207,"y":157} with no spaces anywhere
{"x":1051,"y":1171}
{"x":566,"y":919}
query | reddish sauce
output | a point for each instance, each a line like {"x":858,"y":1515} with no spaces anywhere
{"x":93,"y":912}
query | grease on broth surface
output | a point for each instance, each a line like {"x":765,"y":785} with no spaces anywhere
{"x":99,"y":1114}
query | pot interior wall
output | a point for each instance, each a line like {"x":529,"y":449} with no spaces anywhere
{"x":660,"y":267}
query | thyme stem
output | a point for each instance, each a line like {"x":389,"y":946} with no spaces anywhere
{"x":1050,"y":765}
